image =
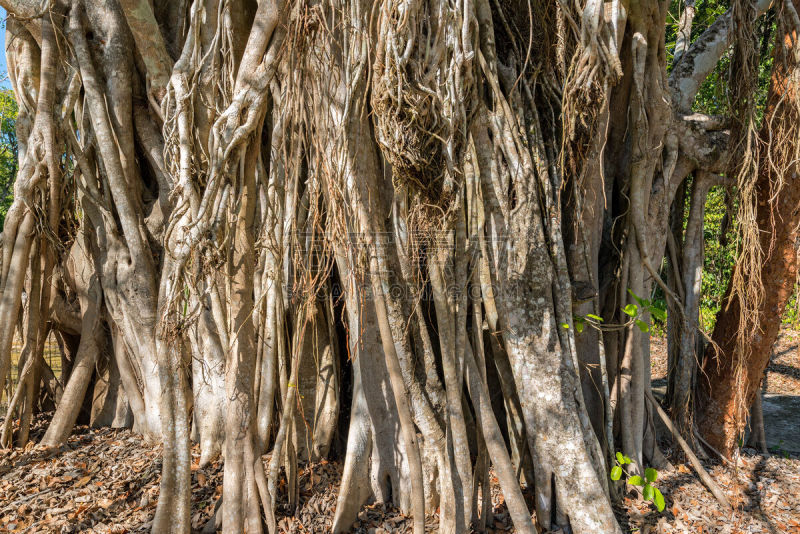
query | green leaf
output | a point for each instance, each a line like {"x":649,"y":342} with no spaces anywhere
{"x":620,"y":458}
{"x":643,"y":326}
{"x":565,"y":326}
{"x":616,"y":472}
{"x":631,"y":310}
{"x":658,"y":499}
{"x":642,"y":302}
{"x":658,"y":313}
{"x":636,"y":480}
{"x":579,"y":325}
{"x":627,"y":460}
{"x":647,"y":492}
{"x":595,"y":317}
{"x":650,"y":474}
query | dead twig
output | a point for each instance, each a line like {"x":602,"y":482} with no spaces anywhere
{"x":708,"y":482}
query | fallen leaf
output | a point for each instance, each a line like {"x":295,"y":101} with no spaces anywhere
{"x":82,"y":482}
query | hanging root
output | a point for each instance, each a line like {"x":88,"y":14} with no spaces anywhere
{"x":217,"y":194}
{"x":423,"y":94}
{"x":771,"y":152}
{"x":593,"y":69}
{"x":746,"y":283}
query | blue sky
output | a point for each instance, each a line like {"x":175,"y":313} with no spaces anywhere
{"x":3,"y":67}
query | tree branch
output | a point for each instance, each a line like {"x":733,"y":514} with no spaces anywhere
{"x":704,"y":141}
{"x":684,"y":30}
{"x":25,"y":9}
{"x":701,"y":58}
{"x":150,"y":43}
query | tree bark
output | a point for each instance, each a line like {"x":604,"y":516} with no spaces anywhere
{"x":729,"y":380}
{"x":233,"y":160}
{"x":90,"y":296}
{"x":683,"y":352}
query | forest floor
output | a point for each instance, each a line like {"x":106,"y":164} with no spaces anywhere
{"x":106,"y":481}
{"x":780,"y":391}
{"x":783,"y":373}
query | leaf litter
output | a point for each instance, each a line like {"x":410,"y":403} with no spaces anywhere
{"x":107,"y":481}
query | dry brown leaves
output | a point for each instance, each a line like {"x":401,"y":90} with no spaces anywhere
{"x":106,"y":481}
{"x":765,"y":493}
{"x":783,"y":373}
{"x":102,"y":480}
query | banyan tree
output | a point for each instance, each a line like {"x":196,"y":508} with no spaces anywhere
{"x":288,"y":230}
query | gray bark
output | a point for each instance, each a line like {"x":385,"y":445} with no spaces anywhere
{"x":227,"y":153}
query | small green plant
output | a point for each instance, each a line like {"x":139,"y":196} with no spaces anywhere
{"x":636,"y":312}
{"x":580,"y":322}
{"x":779,"y":449}
{"x":648,"y":489}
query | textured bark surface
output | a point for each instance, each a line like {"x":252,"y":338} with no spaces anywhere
{"x":686,"y":339}
{"x":729,"y":380}
{"x":247,"y":219}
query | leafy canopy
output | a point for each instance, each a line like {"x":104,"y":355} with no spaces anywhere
{"x":8,"y":150}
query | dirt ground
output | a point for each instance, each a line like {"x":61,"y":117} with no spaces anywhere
{"x":783,"y":373}
{"x":780,"y":391}
{"x":106,"y":481}
{"x":764,"y":491}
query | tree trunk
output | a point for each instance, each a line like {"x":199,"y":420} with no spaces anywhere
{"x":729,"y":379}
{"x":110,"y":406}
{"x":757,"y":438}
{"x":90,"y":296}
{"x":686,"y":328}
{"x":234,"y":160}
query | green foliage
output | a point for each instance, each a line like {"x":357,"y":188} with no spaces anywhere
{"x":713,"y":99}
{"x":792,"y":314}
{"x":719,"y":259}
{"x":653,"y":307}
{"x":636,"y":312}
{"x":616,"y":472}
{"x":631,"y":309}
{"x":649,"y":491}
{"x":580,"y":321}
{"x":650,"y":474}
{"x":658,"y":500}
{"x":8,"y":150}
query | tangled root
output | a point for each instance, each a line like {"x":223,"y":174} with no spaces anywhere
{"x":410,"y":137}
{"x":422,"y":95}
